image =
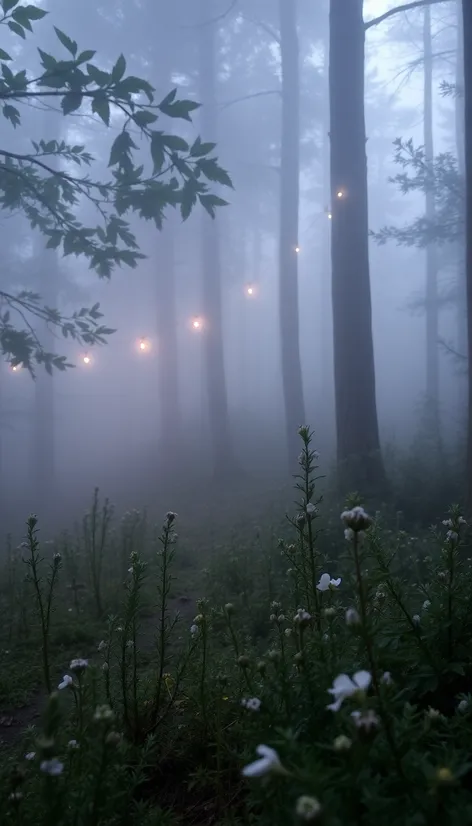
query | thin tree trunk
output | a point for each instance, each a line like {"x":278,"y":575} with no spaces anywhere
{"x":432,"y":314}
{"x":288,"y":229}
{"x":326,"y":307}
{"x":467,"y":29}
{"x":359,"y":456}
{"x":223,"y":458}
{"x":461,"y":286}
{"x":167,"y":343}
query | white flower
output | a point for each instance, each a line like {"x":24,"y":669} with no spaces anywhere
{"x":365,"y":719}
{"x":311,"y":510}
{"x":416,"y":619}
{"x":66,"y":682}
{"x":386,"y":678}
{"x":463,"y":706}
{"x":103,"y":712}
{"x":307,"y":808}
{"x":30,"y":755}
{"x":426,"y":604}
{"x":326,"y":583}
{"x":102,"y":645}
{"x":253,"y":704}
{"x":352,"y":617}
{"x":302,"y":617}
{"x":193,"y":630}
{"x":130,"y":644}
{"x":78,"y":664}
{"x":269,"y":762}
{"x":461,"y":521}
{"x":54,"y":767}
{"x":344,"y":687}
{"x":447,"y":523}
{"x":342,"y":743}
{"x":105,"y":667}
{"x":349,"y":534}
{"x":57,"y":558}
{"x":356,"y":519}
{"x":452,"y":536}
{"x":73,"y":744}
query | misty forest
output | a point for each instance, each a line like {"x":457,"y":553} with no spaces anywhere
{"x":235,"y":412}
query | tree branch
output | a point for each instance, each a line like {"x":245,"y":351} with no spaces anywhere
{"x":416,"y":4}
{"x":249,"y":97}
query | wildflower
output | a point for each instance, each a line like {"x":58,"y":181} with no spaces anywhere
{"x":463,"y":706}
{"x":273,"y":618}
{"x":352,"y":617}
{"x":253,"y":704}
{"x":54,"y":767}
{"x":434,"y":714}
{"x":311,"y":510}
{"x":304,"y":432}
{"x":194,"y":630}
{"x":444,"y":776}
{"x":281,"y":618}
{"x":416,"y":619}
{"x":452,"y":536}
{"x":103,"y":713}
{"x":386,"y":678}
{"x":330,"y":612}
{"x":275,"y":606}
{"x":198,"y":619}
{"x":300,"y":519}
{"x":426,"y":604}
{"x":57,"y":558}
{"x":461,"y":521}
{"x":302,"y":617}
{"x":78,"y":665}
{"x":130,"y":644}
{"x":326,"y":583}
{"x":307,"y":808}
{"x":102,"y":645}
{"x":73,"y":744}
{"x":15,"y":797}
{"x":105,"y":667}
{"x":342,"y":743}
{"x":349,"y":534}
{"x":66,"y":682}
{"x":229,"y":608}
{"x":30,"y":755}
{"x":170,"y":517}
{"x":344,"y":687}
{"x":365,"y":720}
{"x":356,"y":519}
{"x":268,"y":763}
{"x":288,"y":632}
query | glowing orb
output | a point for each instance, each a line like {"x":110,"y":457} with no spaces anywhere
{"x":86,"y":360}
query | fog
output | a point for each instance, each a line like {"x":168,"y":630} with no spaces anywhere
{"x":136,"y":416}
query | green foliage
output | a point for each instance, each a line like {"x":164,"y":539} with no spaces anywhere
{"x":356,"y":698}
{"x":442,"y":178}
{"x":174,"y":175}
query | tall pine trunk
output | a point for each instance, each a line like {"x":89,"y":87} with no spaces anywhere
{"x":223,"y":457}
{"x":467,"y":29}
{"x":288,"y":229}
{"x":359,"y":457}
{"x":432,"y":310}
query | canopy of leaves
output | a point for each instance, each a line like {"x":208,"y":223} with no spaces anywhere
{"x":173,"y":174}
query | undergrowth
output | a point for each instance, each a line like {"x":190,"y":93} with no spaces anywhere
{"x":325,"y":677}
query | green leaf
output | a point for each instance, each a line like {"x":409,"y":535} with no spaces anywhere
{"x":101,"y":107}
{"x":198,"y":149}
{"x":143,"y":118}
{"x":17,"y":29}
{"x":84,"y":57}
{"x":69,"y":44}
{"x":7,"y":5}
{"x":118,"y":69}
{"x":20,"y":16}
{"x":71,"y":102}
{"x":12,"y":114}
{"x":48,"y":61}
{"x":169,"y":98}
{"x":157,"y":151}
{"x":96,"y":74}
{"x":175,"y":143}
{"x":120,"y":148}
{"x":210,"y":169}
{"x":35,"y":13}
{"x":4,"y":55}
{"x":180,"y":109}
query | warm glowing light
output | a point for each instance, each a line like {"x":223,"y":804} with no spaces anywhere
{"x":144,"y":345}
{"x":15,"y":368}
{"x":250,"y":290}
{"x":86,"y":359}
{"x":297,"y":249}
{"x":197,"y":324}
{"x":330,"y":215}
{"x":340,"y":194}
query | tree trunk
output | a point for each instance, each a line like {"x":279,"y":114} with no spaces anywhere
{"x":467,"y":28}
{"x":359,"y":456}
{"x":432,"y":314}
{"x":461,"y":287}
{"x":288,"y":229}
{"x":223,"y":458}
{"x":326,"y":307}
